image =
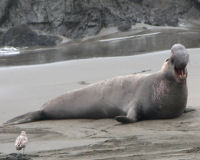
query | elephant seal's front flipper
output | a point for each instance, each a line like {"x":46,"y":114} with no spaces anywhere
{"x":124,"y":119}
{"x":131,"y":116}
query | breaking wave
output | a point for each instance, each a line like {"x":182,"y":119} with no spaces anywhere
{"x":8,"y":51}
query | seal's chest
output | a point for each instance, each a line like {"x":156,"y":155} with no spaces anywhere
{"x":168,"y":100}
{"x":160,"y":91}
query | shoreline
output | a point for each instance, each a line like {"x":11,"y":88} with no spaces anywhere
{"x":110,"y":43}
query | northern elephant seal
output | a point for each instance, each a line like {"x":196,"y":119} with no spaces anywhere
{"x":127,"y":98}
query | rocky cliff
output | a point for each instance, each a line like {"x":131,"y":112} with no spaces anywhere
{"x":80,"y":18}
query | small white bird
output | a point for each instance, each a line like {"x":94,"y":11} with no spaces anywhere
{"x":21,"y":141}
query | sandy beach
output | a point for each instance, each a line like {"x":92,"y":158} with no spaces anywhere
{"x":26,"y":88}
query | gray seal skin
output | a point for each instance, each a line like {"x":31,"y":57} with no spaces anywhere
{"x":127,"y":98}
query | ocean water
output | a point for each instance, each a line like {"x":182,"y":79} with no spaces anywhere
{"x":139,"y":40}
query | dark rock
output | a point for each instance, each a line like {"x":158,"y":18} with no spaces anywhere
{"x":5,"y":8}
{"x":124,"y":26}
{"x":48,"y":40}
{"x":86,"y":24}
{"x":160,"y":13}
{"x":80,"y":18}
{"x":193,"y":13}
{"x":196,"y":4}
{"x":22,"y":35}
{"x":198,"y":1}
{"x":1,"y":37}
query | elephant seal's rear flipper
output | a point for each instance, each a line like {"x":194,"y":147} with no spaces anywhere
{"x":25,"y":118}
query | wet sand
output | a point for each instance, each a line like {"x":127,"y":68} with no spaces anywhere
{"x":26,"y":88}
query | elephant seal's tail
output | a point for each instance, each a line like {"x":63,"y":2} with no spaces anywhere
{"x":25,"y":118}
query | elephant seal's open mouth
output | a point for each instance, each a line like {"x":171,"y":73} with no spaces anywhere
{"x":181,"y":73}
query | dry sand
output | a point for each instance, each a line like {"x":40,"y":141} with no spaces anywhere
{"x":26,"y":88}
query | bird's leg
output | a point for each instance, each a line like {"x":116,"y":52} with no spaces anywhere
{"x":23,"y":150}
